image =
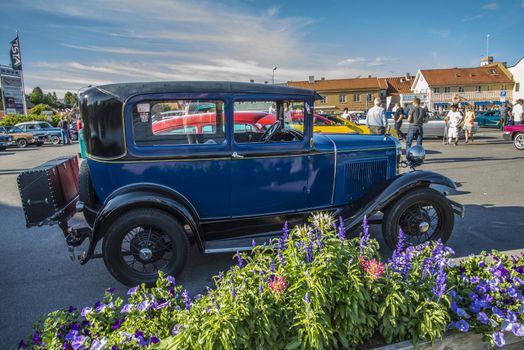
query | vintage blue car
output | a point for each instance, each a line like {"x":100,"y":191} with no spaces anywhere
{"x":151,"y":185}
{"x":488,"y":118}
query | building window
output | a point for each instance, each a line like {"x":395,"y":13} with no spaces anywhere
{"x":342,"y":98}
{"x":517,"y":87}
{"x":369,"y":97}
{"x":489,"y":87}
{"x":461,"y":89}
{"x":356,"y":98}
{"x":324,"y":99}
{"x":478,"y":88}
{"x":503,"y":87}
{"x":447,"y":89}
{"x":436,"y":90}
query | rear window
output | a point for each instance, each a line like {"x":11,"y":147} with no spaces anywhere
{"x":179,"y":122}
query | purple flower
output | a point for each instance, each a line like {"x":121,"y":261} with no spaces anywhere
{"x":71,"y":309}
{"x":496,"y":311}
{"x":281,"y":258}
{"x":512,"y":292}
{"x":475,"y":306}
{"x":127,"y":308}
{"x":482,"y":317}
{"x":110,"y":291}
{"x":240,"y":261}
{"x":160,"y":304}
{"x":400,"y":241}
{"x":143,"y":305}
{"x":132,"y":290}
{"x":98,"y":344}
{"x":253,"y":244}
{"x":85,"y":311}
{"x":462,"y":326}
{"x":309,"y":252}
{"x":475,"y":279}
{"x":142,"y":341}
{"x":171,"y":280}
{"x":440,"y":283}
{"x":260,"y":290}
{"x":461,"y":313}
{"x":233,"y":292}
{"x":220,"y":276}
{"x":518,"y":329}
{"x":521,"y":309}
{"x":482,"y":264}
{"x":69,"y":336}
{"x":272,"y":266}
{"x":154,"y":340}
{"x":306,"y":298}
{"x":498,"y":338}
{"x":341,"y":230}
{"x":22,"y":344}
{"x":114,"y":347}
{"x":76,"y":326}
{"x":139,"y":333}
{"x":187,"y":299}
{"x":176,"y":329}
{"x":365,"y":234}
{"x":116,"y":324}
{"x":77,"y":342}
{"x":285,"y":232}
{"x":36,"y":338}
{"x":452,"y":294}
{"x":511,"y":316}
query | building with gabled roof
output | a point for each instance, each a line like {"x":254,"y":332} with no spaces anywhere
{"x":517,"y":71}
{"x":478,"y":86}
{"x":356,"y":94}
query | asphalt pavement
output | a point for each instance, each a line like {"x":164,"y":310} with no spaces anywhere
{"x":37,"y":275}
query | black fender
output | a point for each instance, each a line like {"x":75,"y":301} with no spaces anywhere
{"x":396,"y":187}
{"x":143,"y":195}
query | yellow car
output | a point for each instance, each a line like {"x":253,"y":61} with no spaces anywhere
{"x":337,"y":125}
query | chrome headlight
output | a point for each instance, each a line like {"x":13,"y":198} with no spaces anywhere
{"x":416,"y":155}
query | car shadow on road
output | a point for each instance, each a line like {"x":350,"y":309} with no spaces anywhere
{"x":4,"y":153}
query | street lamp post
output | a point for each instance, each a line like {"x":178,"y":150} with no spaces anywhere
{"x":273,"y":75}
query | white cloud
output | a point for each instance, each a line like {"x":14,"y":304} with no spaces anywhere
{"x":490,"y":6}
{"x":273,"y":11}
{"x":468,"y":18}
{"x":352,"y":60}
{"x":380,"y":61}
{"x":441,"y":33}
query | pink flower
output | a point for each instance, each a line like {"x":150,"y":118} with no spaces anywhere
{"x":373,"y":268}
{"x":277,"y":284}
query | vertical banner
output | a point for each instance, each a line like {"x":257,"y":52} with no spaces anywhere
{"x":16,"y":58}
{"x":12,"y":91}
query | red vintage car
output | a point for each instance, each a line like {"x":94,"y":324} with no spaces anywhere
{"x":515,"y":133}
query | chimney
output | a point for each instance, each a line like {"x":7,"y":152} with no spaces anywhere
{"x":369,"y":76}
{"x":408,"y":76}
{"x":322,"y":78}
{"x":251,"y":80}
{"x":265,"y":82}
{"x":311,"y":79}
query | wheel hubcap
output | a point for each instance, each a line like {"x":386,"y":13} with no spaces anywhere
{"x":423,"y":226}
{"x":519,"y":141}
{"x":145,"y":253}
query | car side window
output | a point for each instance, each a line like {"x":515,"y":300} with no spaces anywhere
{"x":179,"y":122}
{"x":267,"y":121}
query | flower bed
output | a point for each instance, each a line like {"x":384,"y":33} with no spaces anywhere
{"x":314,"y":289}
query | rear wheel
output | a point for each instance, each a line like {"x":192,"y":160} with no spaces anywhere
{"x":142,"y":242}
{"x":423,"y":214}
{"x":518,"y":141}
{"x":21,"y":143}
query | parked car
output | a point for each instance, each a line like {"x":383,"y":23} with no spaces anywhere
{"x":73,"y":133}
{"x":435,"y":127}
{"x":147,"y":193}
{"x":514,"y":133}
{"x":5,"y":141}
{"x":340,"y":125}
{"x":22,"y":139}
{"x":487,"y":119}
{"x":51,"y":134}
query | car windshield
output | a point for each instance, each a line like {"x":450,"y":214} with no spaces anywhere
{"x":44,"y":125}
{"x":13,"y":129}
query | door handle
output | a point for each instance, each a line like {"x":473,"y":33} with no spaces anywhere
{"x":236,"y":155}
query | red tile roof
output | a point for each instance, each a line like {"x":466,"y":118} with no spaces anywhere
{"x":341,"y":84}
{"x":489,"y":74}
{"x":399,"y":85}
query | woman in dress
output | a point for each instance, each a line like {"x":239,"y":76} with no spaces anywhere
{"x":469,"y":123}
{"x":453,"y":120}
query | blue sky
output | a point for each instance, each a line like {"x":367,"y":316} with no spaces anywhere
{"x":70,"y":44}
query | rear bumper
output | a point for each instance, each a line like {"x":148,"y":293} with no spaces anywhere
{"x":506,"y":135}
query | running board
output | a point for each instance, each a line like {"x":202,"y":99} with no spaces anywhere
{"x":238,"y":244}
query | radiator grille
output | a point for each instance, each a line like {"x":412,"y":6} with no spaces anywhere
{"x":362,"y":176}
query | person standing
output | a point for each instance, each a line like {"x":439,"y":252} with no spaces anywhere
{"x":398,"y":114}
{"x":376,"y":118}
{"x":345,"y":114}
{"x":64,"y":125}
{"x":504,"y":109}
{"x":416,"y":118}
{"x":453,"y":120}
{"x":518,"y":111}
{"x":469,"y":123}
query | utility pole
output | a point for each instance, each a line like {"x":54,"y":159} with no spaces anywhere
{"x":487,"y":46}
{"x":273,"y":75}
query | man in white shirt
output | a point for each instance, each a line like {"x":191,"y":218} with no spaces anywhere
{"x":376,"y":119}
{"x":345,"y":114}
{"x":518,"y":111}
{"x":453,"y":118}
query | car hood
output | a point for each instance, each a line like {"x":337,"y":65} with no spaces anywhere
{"x":355,"y":142}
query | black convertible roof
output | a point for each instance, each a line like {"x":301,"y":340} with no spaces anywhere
{"x":124,"y":91}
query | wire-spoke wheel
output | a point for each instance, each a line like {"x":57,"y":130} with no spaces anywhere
{"x":423,"y":214}
{"x":518,"y":141}
{"x":142,"y":242}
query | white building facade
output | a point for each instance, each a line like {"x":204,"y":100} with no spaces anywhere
{"x":518,"y":76}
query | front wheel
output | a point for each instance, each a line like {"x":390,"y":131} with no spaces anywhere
{"x":142,"y":242}
{"x":423,"y":214}
{"x":21,"y":143}
{"x":518,"y":141}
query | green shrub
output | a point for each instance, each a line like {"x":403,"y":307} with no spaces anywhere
{"x":312,"y":289}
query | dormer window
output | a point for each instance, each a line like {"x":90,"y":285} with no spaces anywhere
{"x":493,"y":72}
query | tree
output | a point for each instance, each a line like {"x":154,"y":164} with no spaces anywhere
{"x":50,"y":99}
{"x":37,"y":95}
{"x":70,"y":99}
